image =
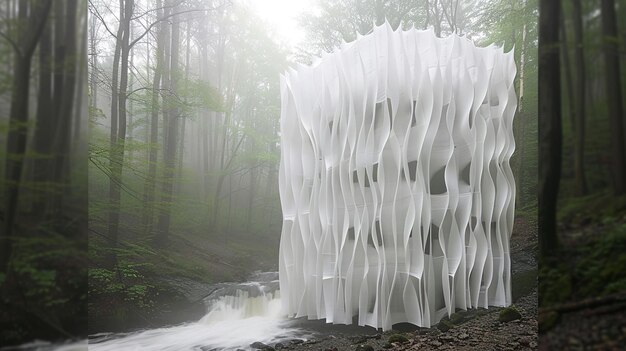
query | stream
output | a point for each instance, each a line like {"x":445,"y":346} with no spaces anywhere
{"x":238,"y":314}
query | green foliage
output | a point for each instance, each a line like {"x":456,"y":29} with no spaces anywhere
{"x":598,"y":269}
{"x":555,"y":285}
{"x":125,"y":282}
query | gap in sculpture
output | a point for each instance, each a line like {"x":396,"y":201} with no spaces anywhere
{"x":396,"y":190}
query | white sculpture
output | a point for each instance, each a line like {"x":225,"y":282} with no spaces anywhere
{"x":395,"y":183}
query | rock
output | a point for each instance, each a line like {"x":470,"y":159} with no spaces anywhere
{"x":279,"y":346}
{"x":399,"y":338}
{"x":446,"y":338}
{"x":296,"y":341}
{"x":387,"y":346}
{"x":436,"y":343}
{"x":444,"y":325}
{"x":525,"y":341}
{"x":509,"y":314}
{"x":463,"y":336}
{"x":261,"y":346}
{"x":456,"y":318}
{"x":364,"y":347}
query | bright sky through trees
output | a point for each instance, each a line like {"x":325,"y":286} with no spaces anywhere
{"x":282,"y":17}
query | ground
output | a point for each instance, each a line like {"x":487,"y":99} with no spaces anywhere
{"x":583,"y":290}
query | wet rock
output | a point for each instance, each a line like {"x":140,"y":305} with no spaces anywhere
{"x":444,"y":325}
{"x":261,"y":346}
{"x":463,"y":336}
{"x":296,"y":341}
{"x":279,"y":346}
{"x":456,"y":318}
{"x":364,"y":347}
{"x":509,"y":314}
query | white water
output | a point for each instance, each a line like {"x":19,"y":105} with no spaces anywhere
{"x":240,"y":315}
{"x":40,"y":345}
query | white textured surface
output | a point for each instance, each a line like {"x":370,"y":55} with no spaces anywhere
{"x":395,"y":183}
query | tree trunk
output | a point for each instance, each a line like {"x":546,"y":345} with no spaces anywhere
{"x":16,"y":146}
{"x":181,"y":150}
{"x":568,"y":73}
{"x":522,"y":119}
{"x":94,"y":63}
{"x":614,"y":95}
{"x":579,"y":98}
{"x":163,"y":225}
{"x":550,"y":124}
{"x":64,"y":122}
{"x":114,"y":190}
{"x":150,"y":185}
{"x":27,"y":38}
{"x":43,"y":138}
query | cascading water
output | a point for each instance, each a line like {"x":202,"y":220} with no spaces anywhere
{"x":238,"y":315}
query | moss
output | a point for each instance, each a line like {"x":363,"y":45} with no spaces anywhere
{"x":444,"y":325}
{"x":399,"y":338}
{"x":457,"y":318}
{"x":509,"y":314}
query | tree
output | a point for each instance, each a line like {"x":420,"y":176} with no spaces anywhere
{"x":173,"y":114}
{"x":579,"y":102}
{"x":549,"y":123}
{"x":614,"y":95}
{"x":32,"y":17}
{"x":150,"y":184}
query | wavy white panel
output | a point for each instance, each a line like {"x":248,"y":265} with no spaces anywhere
{"x":395,"y":182}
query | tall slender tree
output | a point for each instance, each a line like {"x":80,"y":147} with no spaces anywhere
{"x":580,"y":106}
{"x":549,"y":124}
{"x":173,"y":113}
{"x":32,"y":17}
{"x":614,"y":95}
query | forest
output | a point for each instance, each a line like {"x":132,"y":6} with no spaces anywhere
{"x":184,"y":146}
{"x":140,"y":145}
{"x":582,"y":185}
{"x":44,"y":145}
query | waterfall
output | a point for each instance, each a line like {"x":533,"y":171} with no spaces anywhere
{"x":238,"y":314}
